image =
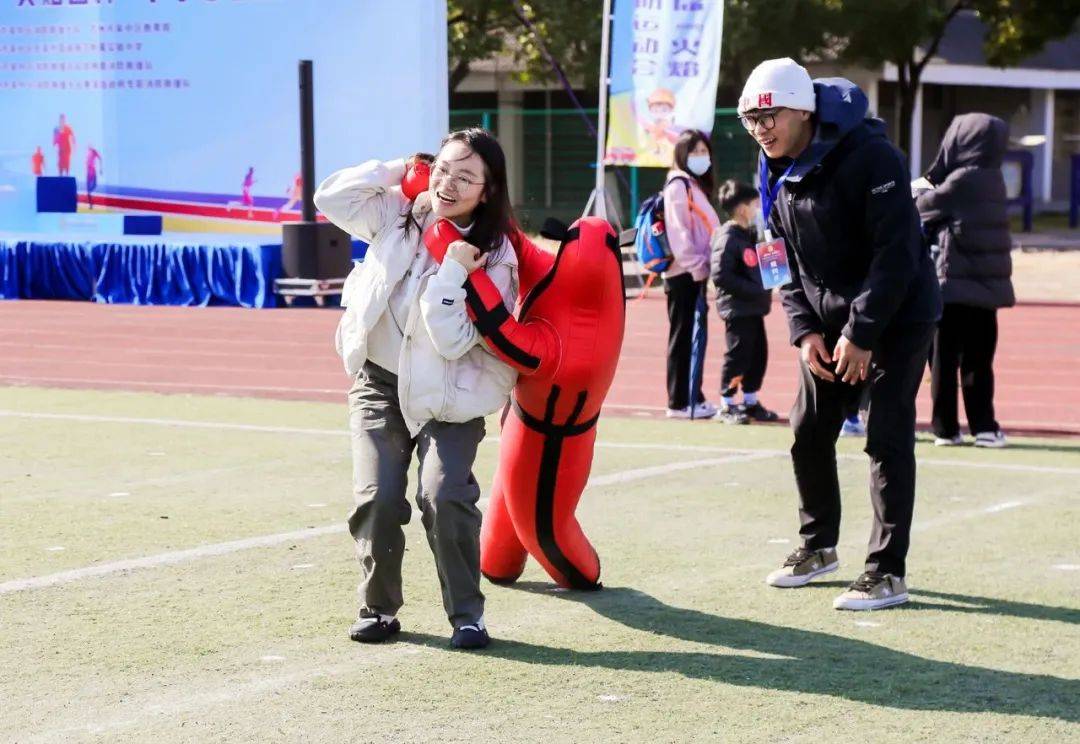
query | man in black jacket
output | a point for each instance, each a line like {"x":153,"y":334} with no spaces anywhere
{"x":861,"y":307}
{"x":967,"y":212}
{"x":742,"y":302}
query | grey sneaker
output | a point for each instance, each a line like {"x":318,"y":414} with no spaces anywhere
{"x":949,"y":441}
{"x":803,"y":566}
{"x":991,"y":439}
{"x":873,"y":591}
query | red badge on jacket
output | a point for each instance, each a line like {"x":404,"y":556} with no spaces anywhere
{"x":749,"y":257}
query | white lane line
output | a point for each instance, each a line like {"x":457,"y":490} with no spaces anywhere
{"x":1004,"y":506}
{"x":165,"y":559}
{"x":672,"y":467}
{"x":264,"y":541}
{"x":34,"y":379}
{"x":632,"y":407}
{"x":947,"y":519}
{"x":182,"y":423}
{"x":989,"y":465}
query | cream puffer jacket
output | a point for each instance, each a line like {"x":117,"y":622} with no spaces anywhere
{"x":445,"y":372}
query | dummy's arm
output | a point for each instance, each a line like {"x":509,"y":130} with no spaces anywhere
{"x":532,"y":347}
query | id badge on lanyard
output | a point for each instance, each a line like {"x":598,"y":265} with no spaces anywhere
{"x":772,"y":252}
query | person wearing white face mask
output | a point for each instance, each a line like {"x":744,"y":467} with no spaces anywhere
{"x":690,"y":221}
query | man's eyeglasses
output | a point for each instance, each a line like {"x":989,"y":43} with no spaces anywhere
{"x":767,"y":120}
{"x":460,"y":182}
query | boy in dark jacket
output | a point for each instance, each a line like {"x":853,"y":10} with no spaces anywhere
{"x":742,"y":303}
{"x":967,"y":212}
{"x":862,"y":305}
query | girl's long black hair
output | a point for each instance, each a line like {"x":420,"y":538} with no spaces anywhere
{"x":493,"y":218}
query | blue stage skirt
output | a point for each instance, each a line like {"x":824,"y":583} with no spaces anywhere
{"x":170,"y":270}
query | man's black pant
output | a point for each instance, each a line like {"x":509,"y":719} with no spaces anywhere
{"x":896,"y":372}
{"x":746,"y":357}
{"x":687,"y":338}
{"x":966,"y":341}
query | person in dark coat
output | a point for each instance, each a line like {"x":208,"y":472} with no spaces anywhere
{"x":862,"y":306}
{"x":966,"y":216}
{"x":742,"y":302}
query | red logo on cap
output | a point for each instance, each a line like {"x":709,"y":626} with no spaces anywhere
{"x":749,"y":257}
{"x":764,"y":100}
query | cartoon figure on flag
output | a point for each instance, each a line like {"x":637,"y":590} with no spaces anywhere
{"x":661,"y":127}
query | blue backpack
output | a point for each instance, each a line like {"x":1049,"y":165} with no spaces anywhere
{"x":650,"y":240}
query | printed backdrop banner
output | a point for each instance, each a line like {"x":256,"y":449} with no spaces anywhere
{"x":192,"y":107}
{"x":665,"y":66}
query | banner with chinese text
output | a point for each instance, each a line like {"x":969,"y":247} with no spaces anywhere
{"x":665,"y":66}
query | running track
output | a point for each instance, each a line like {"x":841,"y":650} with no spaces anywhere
{"x":288,"y":353}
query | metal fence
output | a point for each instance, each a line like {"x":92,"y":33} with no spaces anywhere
{"x":557,"y":153}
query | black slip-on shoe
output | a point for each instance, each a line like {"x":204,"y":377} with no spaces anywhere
{"x":374,"y":629}
{"x":758,"y":412}
{"x":470,"y":637}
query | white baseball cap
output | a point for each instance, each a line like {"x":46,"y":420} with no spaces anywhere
{"x":777,"y":83}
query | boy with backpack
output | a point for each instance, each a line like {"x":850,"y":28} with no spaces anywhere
{"x":742,"y":302}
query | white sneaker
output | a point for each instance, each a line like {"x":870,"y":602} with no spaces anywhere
{"x":873,"y":591}
{"x":949,"y":441}
{"x":991,"y":439}
{"x":803,"y":566}
{"x":703,"y":410}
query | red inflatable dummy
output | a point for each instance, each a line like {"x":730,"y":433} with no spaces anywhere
{"x":565,"y":343}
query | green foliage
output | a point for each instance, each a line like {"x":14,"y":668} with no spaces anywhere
{"x":892,"y":30}
{"x":570,"y":29}
{"x":1019,"y":28}
{"x":855,"y":31}
{"x":755,"y":31}
{"x":887,"y":30}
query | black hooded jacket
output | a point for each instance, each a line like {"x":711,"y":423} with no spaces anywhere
{"x":734,"y":269}
{"x":858,"y":262}
{"x":967,"y":211}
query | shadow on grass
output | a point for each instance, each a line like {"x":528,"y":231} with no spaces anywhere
{"x":814,"y":662}
{"x":921,"y":599}
{"x":990,"y":606}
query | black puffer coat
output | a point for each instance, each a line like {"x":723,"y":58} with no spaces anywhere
{"x":734,"y":269}
{"x":858,"y":263}
{"x":967,"y":212}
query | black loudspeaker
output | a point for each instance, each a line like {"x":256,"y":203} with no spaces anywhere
{"x":315,"y":250}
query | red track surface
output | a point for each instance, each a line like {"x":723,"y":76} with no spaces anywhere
{"x":289,"y":354}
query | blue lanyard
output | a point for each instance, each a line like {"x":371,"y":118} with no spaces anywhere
{"x":768,"y":195}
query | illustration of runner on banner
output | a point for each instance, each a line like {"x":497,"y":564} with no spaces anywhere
{"x":665,"y":66}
